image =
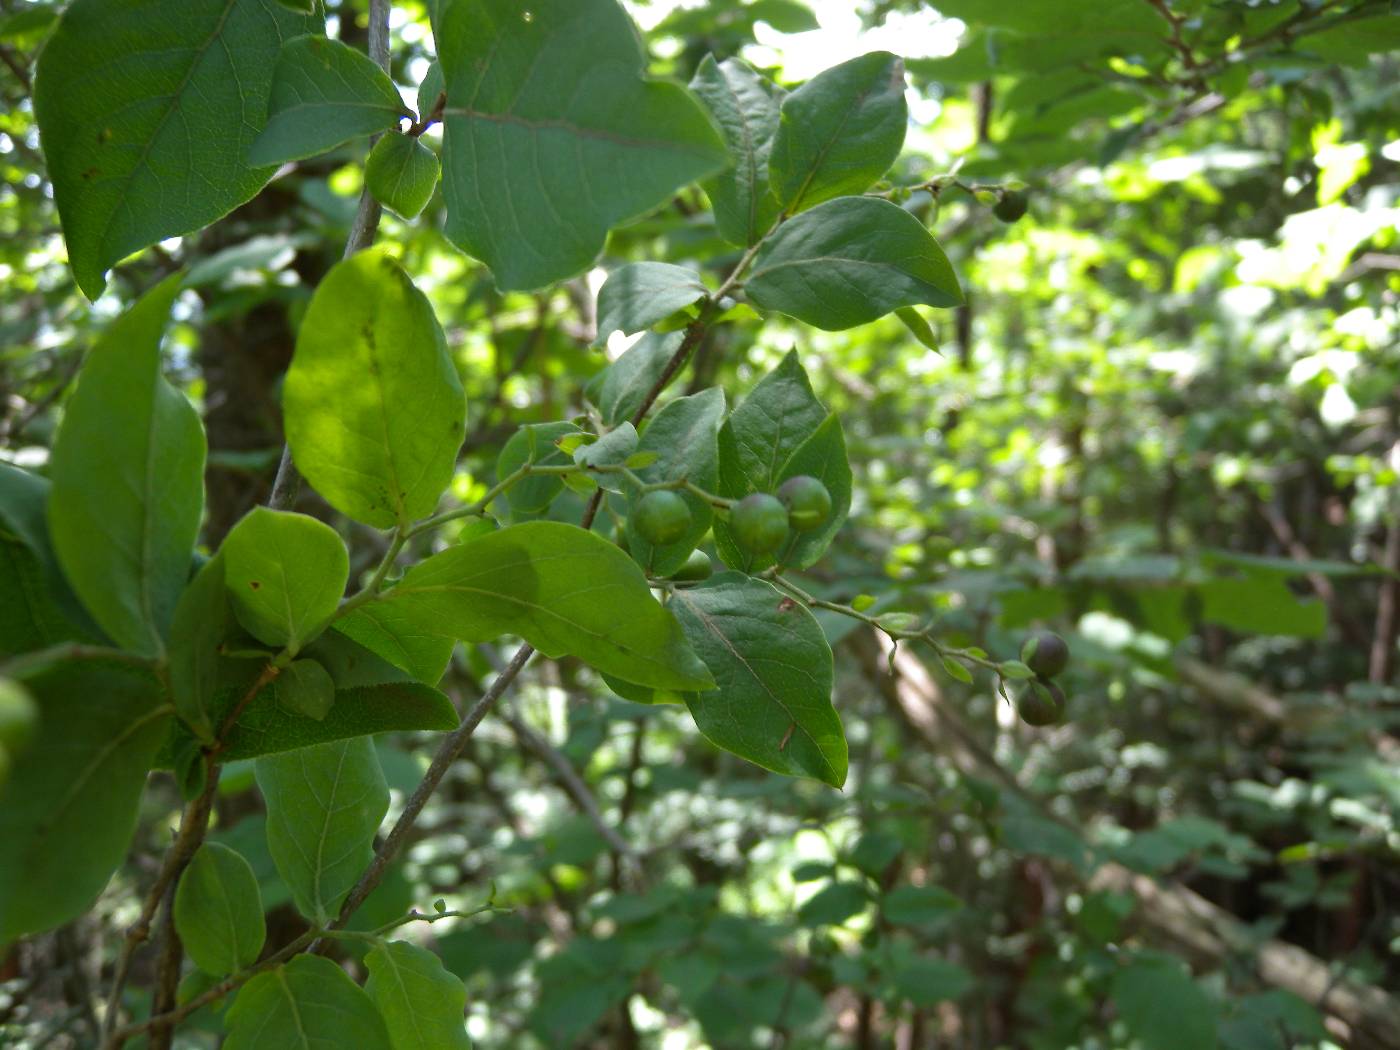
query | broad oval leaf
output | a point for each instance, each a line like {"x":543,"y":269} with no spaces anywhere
{"x":402,"y":173}
{"x":423,"y":1005}
{"x":621,"y":389}
{"x":128,"y":481}
{"x":1163,"y":1007}
{"x":307,"y":1004}
{"x":219,"y":912}
{"x":424,"y":657}
{"x":305,"y":688}
{"x":375,"y":412}
{"x":69,"y":808}
{"x":536,"y":444}
{"x":773,"y":675}
{"x":146,"y":110}
{"x":324,"y":805}
{"x":758,"y":439}
{"x":840,"y":131}
{"x":286,"y":574}
{"x":201,"y":623}
{"x":746,"y":107}
{"x":563,"y":589}
{"x":849,"y":261}
{"x":552,"y":136}
{"x":821,"y":456}
{"x":366,"y":703}
{"x":638,"y":295}
{"x":685,"y":438}
{"x":324,"y":93}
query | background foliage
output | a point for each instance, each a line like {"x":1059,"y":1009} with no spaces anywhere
{"x":1164,"y":424}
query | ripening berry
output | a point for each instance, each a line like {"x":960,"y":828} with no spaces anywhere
{"x":759,"y":523}
{"x":1012,"y":206}
{"x":661,"y":517}
{"x":1045,"y":653}
{"x":808,"y":502}
{"x":1041,"y":704}
{"x":697,"y":567}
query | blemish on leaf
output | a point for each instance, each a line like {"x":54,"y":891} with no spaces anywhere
{"x":787,"y":736}
{"x":255,"y":584}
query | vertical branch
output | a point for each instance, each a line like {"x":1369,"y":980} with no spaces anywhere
{"x":1387,"y":605}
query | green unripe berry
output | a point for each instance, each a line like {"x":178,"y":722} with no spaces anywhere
{"x":807,"y":500}
{"x":1045,"y":653}
{"x":661,"y":517}
{"x":697,"y":567}
{"x":1041,"y":704}
{"x":18,"y":716}
{"x":1012,"y":206}
{"x":759,"y":523}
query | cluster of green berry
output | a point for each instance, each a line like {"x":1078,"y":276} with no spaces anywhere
{"x":760,"y":523}
{"x":1043,"y":702}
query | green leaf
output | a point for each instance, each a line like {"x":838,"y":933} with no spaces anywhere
{"x":834,"y":904}
{"x":306,"y":1004}
{"x":324,"y":93}
{"x":773,"y":675}
{"x":422,"y":1004}
{"x":424,"y":656}
{"x":202,"y":621}
{"x":919,"y":905}
{"x":760,"y":438}
{"x":146,"y":110}
{"x":639,"y":295}
{"x":821,"y":456}
{"x":685,"y":439}
{"x":563,"y":589}
{"x":536,"y":444}
{"x":956,"y":670}
{"x":219,"y":912}
{"x":1262,"y":604}
{"x":839,"y":132}
{"x":375,"y":410}
{"x":552,"y":135}
{"x":1163,"y":1007}
{"x":1353,"y":42}
{"x":918,"y":327}
{"x":324,"y":805}
{"x":286,"y":573}
{"x":849,"y":261}
{"x":69,"y":808}
{"x":620,"y":389}
{"x":267,"y":727}
{"x":40,"y":609}
{"x":402,"y":173}
{"x":745,"y":105}
{"x":613,"y":449}
{"x":128,"y":480}
{"x":305,"y":688}
{"x":927,"y":982}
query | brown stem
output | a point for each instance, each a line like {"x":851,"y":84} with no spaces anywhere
{"x":1387,"y":606}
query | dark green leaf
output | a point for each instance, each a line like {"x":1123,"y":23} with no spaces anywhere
{"x":638,"y":295}
{"x":286,"y":573}
{"x":561,"y":588}
{"x":402,"y":173}
{"x":773,"y":675}
{"x":219,"y":912}
{"x":324,"y":805}
{"x":918,"y":327}
{"x":69,"y":808}
{"x":552,"y":136}
{"x":834,"y":904}
{"x":919,"y":905}
{"x":202,"y":621}
{"x":1163,"y":1008}
{"x":421,"y":1003}
{"x":424,"y":656}
{"x":684,"y":437}
{"x":324,"y":93}
{"x":306,"y":1004}
{"x":128,"y":480}
{"x":374,"y":409}
{"x":821,"y":456}
{"x":745,"y":105}
{"x":146,"y":142}
{"x":620,"y":389}
{"x":840,"y":131}
{"x":927,"y":982}
{"x":267,"y":727}
{"x":849,"y":261}
{"x":537,"y":444}
{"x":305,"y":688}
